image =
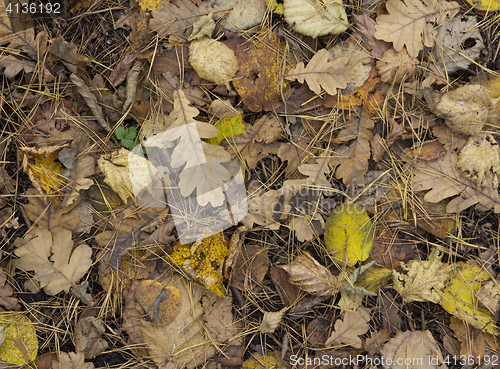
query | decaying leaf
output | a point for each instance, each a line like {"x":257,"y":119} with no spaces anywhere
{"x":88,"y":339}
{"x":211,"y":59}
{"x":415,"y":347}
{"x":271,"y":321}
{"x":315,"y":18}
{"x":57,"y":266}
{"x":365,"y":30}
{"x":429,"y":150}
{"x":429,"y":176}
{"x":424,"y":281}
{"x":251,"y":267}
{"x":358,"y":60}
{"x":473,"y":341}
{"x":396,"y":66}
{"x":12,"y":66}
{"x":480,"y":157}
{"x":310,"y":276}
{"x":203,"y":261}
{"x":489,"y":295}
{"x":67,"y":51}
{"x":218,"y":319}
{"x":177,"y":19}
{"x":348,"y":330}
{"x":390,"y":248}
{"x":271,"y":360}
{"x":352,"y":295}
{"x":460,"y":301}
{"x":352,"y":158}
{"x":467,"y":109}
{"x":162,"y":304}
{"x":349,"y":234}
{"x":410,"y":23}
{"x":458,"y":44}
{"x":322,"y":73}
{"x":258,"y":80}
{"x":70,"y":360}
{"x":244,"y":14}
{"x":6,"y":290}
{"x":21,"y":344}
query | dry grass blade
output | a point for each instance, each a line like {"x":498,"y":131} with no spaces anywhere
{"x":311,"y":277}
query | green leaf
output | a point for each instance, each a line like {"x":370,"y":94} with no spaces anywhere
{"x":120,"y":133}
{"x":129,"y":144}
{"x":349,"y":234}
{"x":130,"y":133}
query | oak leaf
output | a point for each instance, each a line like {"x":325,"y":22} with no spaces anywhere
{"x":57,"y":266}
{"x":365,"y":30}
{"x":12,"y":66}
{"x":348,"y":330}
{"x":358,"y":60}
{"x":396,"y":66}
{"x":429,"y":176}
{"x":416,"y":346}
{"x":322,"y":73}
{"x":311,"y":277}
{"x":424,"y":281}
{"x":351,"y":159}
{"x":412,"y":23}
{"x":71,"y":360}
{"x":67,"y":51}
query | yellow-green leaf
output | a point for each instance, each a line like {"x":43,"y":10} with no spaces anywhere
{"x":21,"y":345}
{"x":148,"y":5}
{"x":272,"y":360}
{"x":349,"y":234}
{"x":459,"y":299}
{"x":228,"y":127}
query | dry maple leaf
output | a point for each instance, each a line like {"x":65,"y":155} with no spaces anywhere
{"x":351,"y":159}
{"x":57,"y":266}
{"x":177,"y":19}
{"x":424,"y":281}
{"x":347,"y":331}
{"x":415,"y":347}
{"x":71,"y":360}
{"x":412,"y":23}
{"x":310,"y":276}
{"x":6,"y":290}
{"x":444,"y":181}
{"x":322,"y":73}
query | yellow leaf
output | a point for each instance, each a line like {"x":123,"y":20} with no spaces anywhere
{"x":42,"y":169}
{"x":459,"y":299}
{"x":161,"y":303}
{"x":204,"y":260}
{"x":228,"y":127}
{"x":20,"y":345}
{"x":349,"y":234}
{"x":374,"y":278}
{"x":148,"y":5}
{"x":272,"y":360}
{"x":486,"y":5}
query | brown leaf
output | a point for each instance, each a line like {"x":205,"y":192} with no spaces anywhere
{"x":265,"y":130}
{"x":251,"y":267}
{"x":489,"y":295}
{"x":351,"y":159}
{"x":317,"y":331}
{"x":298,"y":99}
{"x":258,"y":80}
{"x":68,"y":52}
{"x":6,"y":291}
{"x":178,"y":18}
{"x":428,"y":151}
{"x":449,"y":139}
{"x":416,"y":345}
{"x":132,"y":316}
{"x":126,"y":230}
{"x":473,"y":341}
{"x":52,"y":216}
{"x":365,"y":30}
{"x":390,"y":312}
{"x":390,"y":248}
{"x":287,"y":291}
{"x":162,"y":304}
{"x":348,"y":330}
{"x":218,"y":318}
{"x":120,"y":72}
{"x":237,"y":239}
{"x":88,"y":339}
{"x":429,"y":175}
{"x":91,"y":101}
{"x":71,"y":360}
{"x":311,"y":277}
{"x":396,"y":66}
{"x":15,"y":65}
{"x":294,"y":152}
{"x":375,"y":342}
